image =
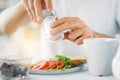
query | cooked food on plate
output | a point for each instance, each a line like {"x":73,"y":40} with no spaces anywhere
{"x":60,"y":62}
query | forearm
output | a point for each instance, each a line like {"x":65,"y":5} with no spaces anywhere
{"x":12,"y":18}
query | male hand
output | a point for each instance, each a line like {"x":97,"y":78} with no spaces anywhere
{"x":34,"y":8}
{"x":79,"y":30}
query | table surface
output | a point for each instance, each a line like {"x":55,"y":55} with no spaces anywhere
{"x":79,"y":75}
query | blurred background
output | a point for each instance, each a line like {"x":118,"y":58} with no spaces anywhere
{"x":24,"y":42}
{"x":6,"y":3}
{"x":5,"y":45}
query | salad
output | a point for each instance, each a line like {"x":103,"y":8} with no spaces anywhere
{"x":60,"y":62}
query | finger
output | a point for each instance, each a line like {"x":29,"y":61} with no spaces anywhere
{"x":80,"y":40}
{"x":60,"y":28}
{"x":32,"y":10}
{"x":43,"y":4}
{"x":56,"y":18}
{"x":26,"y":5}
{"x":74,"y":35}
{"x":38,"y":10}
{"x":48,"y":5}
{"x":58,"y":22}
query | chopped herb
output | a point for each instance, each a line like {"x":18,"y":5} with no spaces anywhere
{"x":68,"y":62}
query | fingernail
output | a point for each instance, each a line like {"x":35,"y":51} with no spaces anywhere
{"x":39,"y":19}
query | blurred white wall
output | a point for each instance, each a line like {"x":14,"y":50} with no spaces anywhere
{"x":7,"y":3}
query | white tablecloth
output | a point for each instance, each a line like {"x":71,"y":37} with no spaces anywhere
{"x":79,"y":75}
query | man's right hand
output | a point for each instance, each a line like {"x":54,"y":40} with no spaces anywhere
{"x":34,"y":8}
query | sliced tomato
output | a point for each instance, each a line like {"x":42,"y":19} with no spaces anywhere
{"x":35,"y":66}
{"x":61,"y":64}
{"x":57,"y":63}
{"x":52,"y":64}
{"x":41,"y":66}
{"x":44,"y":66}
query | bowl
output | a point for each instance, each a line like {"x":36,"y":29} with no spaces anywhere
{"x":14,"y":67}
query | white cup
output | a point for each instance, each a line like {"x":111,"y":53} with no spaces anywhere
{"x":100,"y":53}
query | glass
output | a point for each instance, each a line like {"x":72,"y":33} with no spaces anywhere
{"x":49,"y":18}
{"x":14,"y":67}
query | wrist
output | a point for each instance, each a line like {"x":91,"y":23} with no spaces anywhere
{"x":99,"y":35}
{"x":95,"y":35}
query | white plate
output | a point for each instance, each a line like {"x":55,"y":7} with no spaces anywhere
{"x":74,"y":69}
